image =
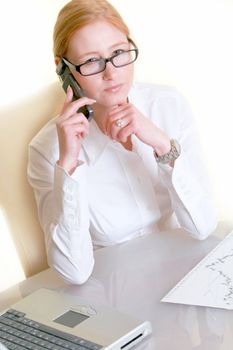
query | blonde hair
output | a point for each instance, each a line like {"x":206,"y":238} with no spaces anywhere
{"x":78,"y":13}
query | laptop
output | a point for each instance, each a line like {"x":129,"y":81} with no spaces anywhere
{"x":54,"y":320}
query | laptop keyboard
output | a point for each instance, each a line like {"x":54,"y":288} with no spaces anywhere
{"x":19,"y":333}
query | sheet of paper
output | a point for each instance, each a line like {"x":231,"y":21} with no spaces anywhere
{"x":210,"y":283}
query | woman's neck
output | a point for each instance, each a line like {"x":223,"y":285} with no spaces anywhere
{"x":100,"y":116}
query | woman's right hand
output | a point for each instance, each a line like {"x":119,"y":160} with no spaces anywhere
{"x":72,"y":127}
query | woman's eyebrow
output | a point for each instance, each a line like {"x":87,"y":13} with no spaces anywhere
{"x":119,"y":43}
{"x":91,"y":53}
{"x":96,"y":53}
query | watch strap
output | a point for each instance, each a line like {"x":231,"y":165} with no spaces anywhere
{"x":173,"y":154}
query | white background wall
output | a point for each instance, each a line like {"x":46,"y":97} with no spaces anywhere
{"x":183,"y":43}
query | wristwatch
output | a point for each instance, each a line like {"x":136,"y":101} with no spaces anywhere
{"x":173,"y":154}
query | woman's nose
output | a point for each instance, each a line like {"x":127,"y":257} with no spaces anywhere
{"x":109,"y":72}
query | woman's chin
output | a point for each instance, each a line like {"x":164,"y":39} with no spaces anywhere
{"x":115,"y":101}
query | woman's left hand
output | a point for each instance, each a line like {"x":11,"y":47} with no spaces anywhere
{"x":125,"y":120}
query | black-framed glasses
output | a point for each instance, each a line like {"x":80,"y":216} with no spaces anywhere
{"x":97,"y":65}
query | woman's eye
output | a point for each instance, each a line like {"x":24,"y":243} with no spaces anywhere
{"x":93,"y":59}
{"x":118,"y":52}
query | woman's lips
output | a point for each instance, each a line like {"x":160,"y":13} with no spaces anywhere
{"x":113,"y":88}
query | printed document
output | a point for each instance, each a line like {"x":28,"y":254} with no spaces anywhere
{"x":210,"y":283}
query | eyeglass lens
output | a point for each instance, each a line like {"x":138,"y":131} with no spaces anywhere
{"x":119,"y":60}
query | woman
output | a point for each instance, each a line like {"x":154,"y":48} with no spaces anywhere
{"x":133,"y":169}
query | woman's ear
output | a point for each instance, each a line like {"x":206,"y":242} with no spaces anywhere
{"x":56,"y":60}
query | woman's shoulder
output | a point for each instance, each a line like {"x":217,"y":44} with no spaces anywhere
{"x":160,"y":98}
{"x":152,"y":91}
{"x":46,"y":140}
{"x":164,"y":105}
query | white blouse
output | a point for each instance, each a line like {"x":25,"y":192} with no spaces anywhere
{"x":115,"y":195}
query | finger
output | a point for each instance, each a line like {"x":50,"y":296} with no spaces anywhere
{"x":68,"y":127}
{"x":73,"y":107}
{"x":111,"y":123}
{"x":124,"y":133}
{"x":120,"y":112}
{"x":68,"y":131}
{"x":81,"y":131}
{"x":115,"y":129}
{"x":77,"y":118}
{"x":118,"y":109}
{"x":69,"y":93}
{"x":69,"y":97}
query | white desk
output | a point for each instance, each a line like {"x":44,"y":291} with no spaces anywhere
{"x":134,"y":276}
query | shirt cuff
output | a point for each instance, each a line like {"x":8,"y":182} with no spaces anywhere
{"x":69,"y":192}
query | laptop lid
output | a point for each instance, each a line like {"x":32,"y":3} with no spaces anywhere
{"x":98,"y":324}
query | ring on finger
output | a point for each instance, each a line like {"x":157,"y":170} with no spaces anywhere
{"x":120,"y":123}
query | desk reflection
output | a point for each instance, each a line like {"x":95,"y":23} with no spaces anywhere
{"x":133,"y":277}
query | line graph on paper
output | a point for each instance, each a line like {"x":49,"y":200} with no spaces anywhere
{"x":222,"y":270}
{"x":210,"y":283}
